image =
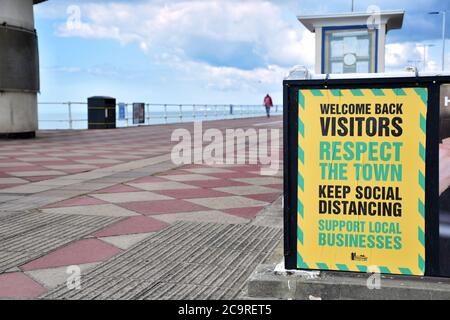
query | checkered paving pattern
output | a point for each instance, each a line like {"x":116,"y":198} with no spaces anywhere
{"x":56,"y":154}
{"x":133,"y":211}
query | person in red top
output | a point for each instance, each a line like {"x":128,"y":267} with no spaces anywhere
{"x":268,"y":103}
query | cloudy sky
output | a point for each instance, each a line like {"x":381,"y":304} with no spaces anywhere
{"x":203,"y":51}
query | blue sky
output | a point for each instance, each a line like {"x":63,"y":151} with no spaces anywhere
{"x":218,"y":51}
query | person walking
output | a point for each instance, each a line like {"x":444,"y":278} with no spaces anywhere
{"x":268,"y":103}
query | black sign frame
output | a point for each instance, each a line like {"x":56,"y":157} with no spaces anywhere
{"x":291,"y":88}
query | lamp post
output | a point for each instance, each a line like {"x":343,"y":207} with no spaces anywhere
{"x":444,"y":25}
{"x":425,"y":50}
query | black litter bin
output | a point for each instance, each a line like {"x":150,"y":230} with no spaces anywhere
{"x":101,"y":113}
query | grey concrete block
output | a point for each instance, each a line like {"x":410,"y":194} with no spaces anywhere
{"x":261,"y":285}
{"x":266,"y":283}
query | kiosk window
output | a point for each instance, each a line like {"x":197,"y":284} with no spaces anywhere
{"x":350,"y":51}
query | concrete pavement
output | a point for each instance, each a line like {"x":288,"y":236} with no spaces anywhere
{"x":109,"y":200}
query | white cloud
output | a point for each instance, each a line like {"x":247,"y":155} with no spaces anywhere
{"x":168,"y":32}
{"x":65,"y":69}
{"x":401,"y":55}
{"x":229,"y":78}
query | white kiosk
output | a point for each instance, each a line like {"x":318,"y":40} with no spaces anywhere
{"x":351,"y":42}
{"x":19,"y":69}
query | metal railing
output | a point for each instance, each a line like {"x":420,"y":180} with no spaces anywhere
{"x":73,"y":115}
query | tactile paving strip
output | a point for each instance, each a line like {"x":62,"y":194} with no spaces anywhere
{"x":28,"y":236}
{"x":185,"y":261}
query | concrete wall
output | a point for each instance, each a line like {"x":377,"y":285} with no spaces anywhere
{"x":18,"y":13}
{"x":318,"y":54}
{"x":18,"y":112}
{"x":18,"y":109}
{"x":382,"y":49}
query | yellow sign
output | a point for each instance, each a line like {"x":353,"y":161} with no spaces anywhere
{"x":361,"y":180}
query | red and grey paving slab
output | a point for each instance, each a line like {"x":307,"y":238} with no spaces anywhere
{"x":134,"y":225}
{"x":145,"y":201}
{"x":81,"y":252}
{"x":17,"y":285}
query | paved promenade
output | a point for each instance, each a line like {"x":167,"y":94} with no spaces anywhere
{"x":138,"y":227}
